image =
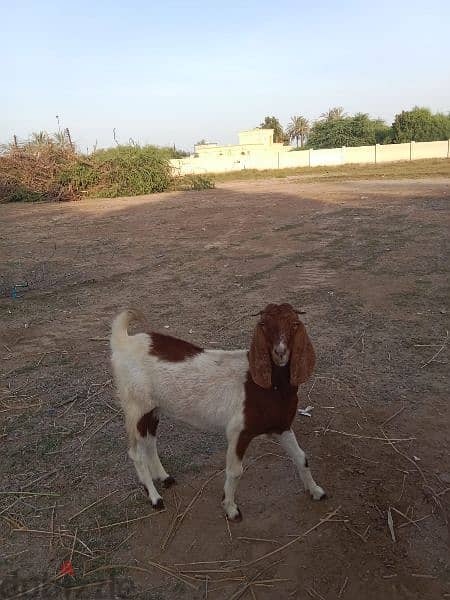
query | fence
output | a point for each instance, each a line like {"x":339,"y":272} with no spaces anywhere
{"x":264,"y":159}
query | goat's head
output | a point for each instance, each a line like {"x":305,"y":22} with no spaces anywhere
{"x":280,"y":339}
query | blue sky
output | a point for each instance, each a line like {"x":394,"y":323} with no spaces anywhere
{"x":174,"y":72}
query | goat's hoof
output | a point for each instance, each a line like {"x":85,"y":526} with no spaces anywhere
{"x":318,"y":493}
{"x":159,"y":504}
{"x":169,"y":481}
{"x":235,"y":516}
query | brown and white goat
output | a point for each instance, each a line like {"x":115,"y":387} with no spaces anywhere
{"x":244,"y":393}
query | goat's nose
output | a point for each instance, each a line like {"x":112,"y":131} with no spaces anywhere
{"x":280,"y":350}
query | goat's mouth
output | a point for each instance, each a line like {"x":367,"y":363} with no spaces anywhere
{"x":280,"y":360}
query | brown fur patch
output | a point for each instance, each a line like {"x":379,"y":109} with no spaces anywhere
{"x":267,"y":410}
{"x":245,"y":437}
{"x":148,"y":423}
{"x":172,"y":349}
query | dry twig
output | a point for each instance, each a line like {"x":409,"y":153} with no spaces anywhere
{"x":437,"y":353}
{"x":178,"y":520}
{"x":393,"y":416}
{"x":343,"y":586}
{"x":297,"y":539}
{"x":368,"y":437}
{"x":91,"y":505}
{"x":127,"y":521}
{"x":142,"y":570}
{"x":390,"y":522}
{"x":390,"y":441}
{"x":241,"y":591}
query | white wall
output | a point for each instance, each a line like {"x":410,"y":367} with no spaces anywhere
{"x":265,"y":159}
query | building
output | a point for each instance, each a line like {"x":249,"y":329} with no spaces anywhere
{"x":256,"y":150}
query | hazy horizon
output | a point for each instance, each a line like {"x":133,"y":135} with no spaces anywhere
{"x":175,"y":73}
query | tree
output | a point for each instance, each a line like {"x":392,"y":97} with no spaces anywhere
{"x":274,"y":123}
{"x":359,"y":130}
{"x":298,"y":128}
{"x":333,"y":114}
{"x":201,"y":143}
{"x":383,"y":133}
{"x":59,"y":137}
{"x":420,"y":125}
{"x":39,"y":138}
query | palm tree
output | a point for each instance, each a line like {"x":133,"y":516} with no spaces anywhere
{"x":39,"y":138}
{"x":60,"y":138}
{"x":333,"y":114}
{"x":298,"y":128}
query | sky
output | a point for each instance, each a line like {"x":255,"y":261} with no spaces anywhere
{"x":174,"y":72}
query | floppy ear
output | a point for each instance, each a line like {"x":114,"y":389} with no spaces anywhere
{"x":259,"y":360}
{"x":303,"y":357}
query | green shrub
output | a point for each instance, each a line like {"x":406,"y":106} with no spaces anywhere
{"x":16,"y":192}
{"x":79,"y":176}
{"x":128,"y":171}
{"x":194,"y":182}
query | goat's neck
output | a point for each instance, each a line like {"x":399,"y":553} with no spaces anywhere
{"x":281,"y":380}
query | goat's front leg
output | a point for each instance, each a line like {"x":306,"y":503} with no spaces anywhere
{"x":289,"y":443}
{"x":238,"y":442}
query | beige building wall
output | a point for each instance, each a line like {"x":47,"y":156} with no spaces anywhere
{"x":259,"y":152}
{"x":256,"y":136}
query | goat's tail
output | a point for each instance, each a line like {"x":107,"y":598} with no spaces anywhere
{"x":119,"y":328}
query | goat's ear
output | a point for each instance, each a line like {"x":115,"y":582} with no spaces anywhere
{"x":259,"y":360}
{"x":303,"y":357}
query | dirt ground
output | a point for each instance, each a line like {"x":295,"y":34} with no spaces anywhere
{"x":368,"y":261}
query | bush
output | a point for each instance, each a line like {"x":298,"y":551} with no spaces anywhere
{"x":44,"y":170}
{"x":193,"y":182}
{"x":121,"y":171}
{"x":15,"y":192}
{"x":30,"y":173}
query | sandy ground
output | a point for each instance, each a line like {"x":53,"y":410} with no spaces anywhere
{"x":368,"y":261}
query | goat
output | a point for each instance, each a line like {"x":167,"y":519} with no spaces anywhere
{"x":245,"y":393}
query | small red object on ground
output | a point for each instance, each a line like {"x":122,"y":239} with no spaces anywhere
{"x":67,"y":568}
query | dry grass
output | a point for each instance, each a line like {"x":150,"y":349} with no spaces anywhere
{"x":398,"y":170}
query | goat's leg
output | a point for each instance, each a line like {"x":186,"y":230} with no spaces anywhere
{"x":138,"y":455}
{"x":289,"y":442}
{"x":156,"y":469}
{"x":147,"y":426}
{"x":237,"y":444}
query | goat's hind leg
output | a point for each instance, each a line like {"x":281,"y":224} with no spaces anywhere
{"x":138,"y":455}
{"x":149,"y":439}
{"x":138,"y":452}
{"x":147,"y":426}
